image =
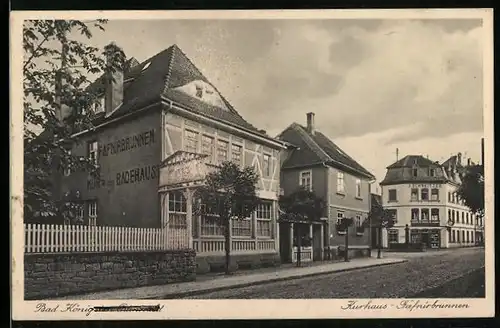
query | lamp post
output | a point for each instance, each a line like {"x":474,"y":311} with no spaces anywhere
{"x":379,"y":242}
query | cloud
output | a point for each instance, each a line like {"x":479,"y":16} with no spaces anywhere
{"x":370,"y":150}
{"x":358,"y":76}
{"x":410,"y":73}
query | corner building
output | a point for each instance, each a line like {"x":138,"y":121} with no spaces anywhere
{"x":160,"y":128}
{"x":421,"y":195}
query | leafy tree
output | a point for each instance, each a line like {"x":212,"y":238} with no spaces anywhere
{"x":57,"y":102}
{"x":380,"y":218}
{"x":302,"y":205}
{"x":229,"y":193}
{"x":472,"y":189}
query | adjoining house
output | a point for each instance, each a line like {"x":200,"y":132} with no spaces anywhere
{"x":422,"y":196}
{"x":161,"y":126}
{"x":318,"y":164}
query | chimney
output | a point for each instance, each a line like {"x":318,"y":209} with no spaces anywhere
{"x":310,"y":123}
{"x":459,"y":158}
{"x":468,"y":161}
{"x":114,"y":80}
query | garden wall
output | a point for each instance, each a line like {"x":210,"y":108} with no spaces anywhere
{"x":59,"y":274}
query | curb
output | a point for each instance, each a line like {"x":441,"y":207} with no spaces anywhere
{"x":263,"y":282}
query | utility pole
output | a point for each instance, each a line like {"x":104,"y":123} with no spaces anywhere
{"x":397,"y":154}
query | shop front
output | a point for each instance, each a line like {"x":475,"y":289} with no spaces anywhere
{"x":429,"y":237}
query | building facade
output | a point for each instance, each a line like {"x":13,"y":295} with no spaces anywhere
{"x":161,"y":127}
{"x":318,"y":164}
{"x":421,"y":195}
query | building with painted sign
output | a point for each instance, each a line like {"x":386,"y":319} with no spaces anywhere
{"x":421,"y":194}
{"x":160,"y":128}
{"x":319,"y":165}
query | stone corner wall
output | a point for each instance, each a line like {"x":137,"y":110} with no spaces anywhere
{"x":60,"y":274}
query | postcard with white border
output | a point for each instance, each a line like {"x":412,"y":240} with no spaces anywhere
{"x":252,"y":164}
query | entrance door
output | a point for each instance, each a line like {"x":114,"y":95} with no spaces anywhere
{"x":425,"y":238}
{"x":285,"y":243}
{"x":316,"y":242}
{"x":435,"y":240}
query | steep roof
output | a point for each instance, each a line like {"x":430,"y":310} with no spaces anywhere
{"x":400,"y":171}
{"x":455,"y":162}
{"x":163,"y":76}
{"x":317,"y":148}
{"x":411,"y":160}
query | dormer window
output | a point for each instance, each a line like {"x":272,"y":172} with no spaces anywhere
{"x":199,"y":91}
{"x":432,"y":172}
{"x":414,"y":172}
{"x":145,"y":67}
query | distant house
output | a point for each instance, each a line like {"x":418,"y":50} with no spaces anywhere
{"x":318,"y":164}
{"x":421,"y":194}
{"x":160,"y":126}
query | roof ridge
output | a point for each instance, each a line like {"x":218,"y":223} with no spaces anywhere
{"x":231,"y":108}
{"x":169,"y":69}
{"x":338,"y":148}
{"x":228,"y":104}
{"x":311,"y":143}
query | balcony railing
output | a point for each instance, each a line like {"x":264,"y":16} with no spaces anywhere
{"x":417,"y":200}
{"x":421,"y":223}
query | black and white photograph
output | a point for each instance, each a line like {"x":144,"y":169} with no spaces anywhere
{"x":283,"y":158}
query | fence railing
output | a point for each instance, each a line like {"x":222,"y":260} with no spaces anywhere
{"x":44,"y":238}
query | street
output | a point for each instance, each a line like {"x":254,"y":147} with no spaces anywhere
{"x":447,"y":274}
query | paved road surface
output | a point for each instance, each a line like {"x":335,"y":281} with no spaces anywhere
{"x":452,"y":274}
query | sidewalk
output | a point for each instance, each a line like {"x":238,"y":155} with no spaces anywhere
{"x":216,"y":283}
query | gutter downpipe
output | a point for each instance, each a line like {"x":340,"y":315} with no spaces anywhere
{"x":327,"y":226}
{"x":369,"y":214}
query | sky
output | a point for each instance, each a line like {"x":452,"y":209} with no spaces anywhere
{"x":374,"y":85}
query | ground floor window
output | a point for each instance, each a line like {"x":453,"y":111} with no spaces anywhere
{"x":177,"y":210}
{"x":242,"y":227}
{"x":92,"y":205}
{"x":415,"y":237}
{"x":263,"y":215}
{"x":393,"y":236}
{"x":210,"y":226}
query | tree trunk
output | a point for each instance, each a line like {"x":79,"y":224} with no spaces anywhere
{"x":299,"y":245}
{"x":227,"y":244}
{"x":346,"y":254}
{"x":379,"y":251}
